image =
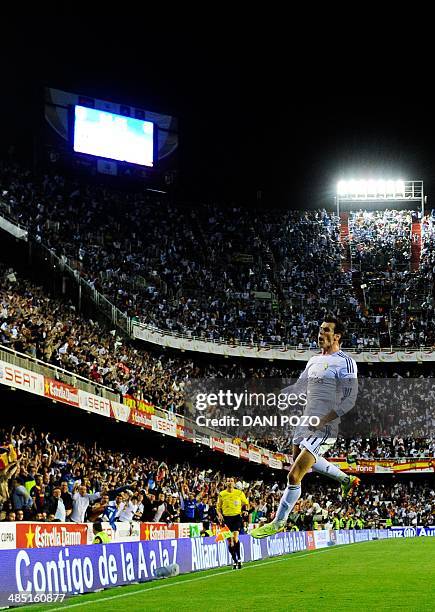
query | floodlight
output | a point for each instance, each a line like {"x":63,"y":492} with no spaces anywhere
{"x":391,"y":187}
{"x":342,"y":187}
{"x":371,"y":188}
{"x":380,"y":190}
{"x":400,"y":187}
{"x":374,"y":188}
{"x":362,"y":187}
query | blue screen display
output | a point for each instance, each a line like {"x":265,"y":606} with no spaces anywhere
{"x":105,"y":134}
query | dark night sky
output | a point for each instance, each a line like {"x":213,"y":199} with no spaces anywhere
{"x":249,"y":119}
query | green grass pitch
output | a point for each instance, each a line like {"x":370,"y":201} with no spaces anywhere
{"x":394,"y":574}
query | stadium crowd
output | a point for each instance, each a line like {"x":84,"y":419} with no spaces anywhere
{"x":57,"y":479}
{"x":229,"y":273}
{"x":219,"y":273}
{"x":361,"y":447}
{"x":49,"y":329}
{"x":381,"y":239}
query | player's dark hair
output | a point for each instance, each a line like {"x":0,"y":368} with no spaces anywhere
{"x":98,"y":527}
{"x":339,"y":327}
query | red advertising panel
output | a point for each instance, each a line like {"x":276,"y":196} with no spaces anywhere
{"x":141,"y":419}
{"x":42,"y":535}
{"x":218,"y":444}
{"x":61,"y":392}
{"x":137,"y":404}
{"x":311,"y":545}
{"x":158,"y":531}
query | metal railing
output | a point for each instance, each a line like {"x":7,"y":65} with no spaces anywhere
{"x":110,"y":310}
{"x":40,"y":367}
{"x":266,"y":345}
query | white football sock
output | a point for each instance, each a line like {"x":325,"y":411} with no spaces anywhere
{"x":288,"y":500}
{"x":322,"y":466}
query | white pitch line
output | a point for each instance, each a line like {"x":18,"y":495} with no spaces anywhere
{"x":198,"y":578}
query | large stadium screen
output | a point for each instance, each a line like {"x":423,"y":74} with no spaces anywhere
{"x":105,"y":134}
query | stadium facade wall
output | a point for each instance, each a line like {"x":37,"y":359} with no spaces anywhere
{"x":134,"y":412}
{"x":271,"y":352}
{"x":82,"y":569}
{"x":142,"y":414}
{"x":31,"y":535}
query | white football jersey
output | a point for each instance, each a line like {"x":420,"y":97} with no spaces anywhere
{"x":330,"y":383}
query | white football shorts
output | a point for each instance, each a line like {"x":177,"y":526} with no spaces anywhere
{"x":316,"y":444}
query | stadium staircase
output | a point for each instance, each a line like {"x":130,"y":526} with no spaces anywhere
{"x":415,"y":245}
{"x":357,"y":280}
{"x":270,"y":268}
{"x":345,"y":239}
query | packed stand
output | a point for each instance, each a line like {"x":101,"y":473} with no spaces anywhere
{"x":359,"y":447}
{"x":381,"y":239}
{"x":226,"y":273}
{"x":52,"y":330}
{"x":399,"y":304}
{"x":33,"y":323}
{"x":151,"y":259}
{"x":54,"y":479}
